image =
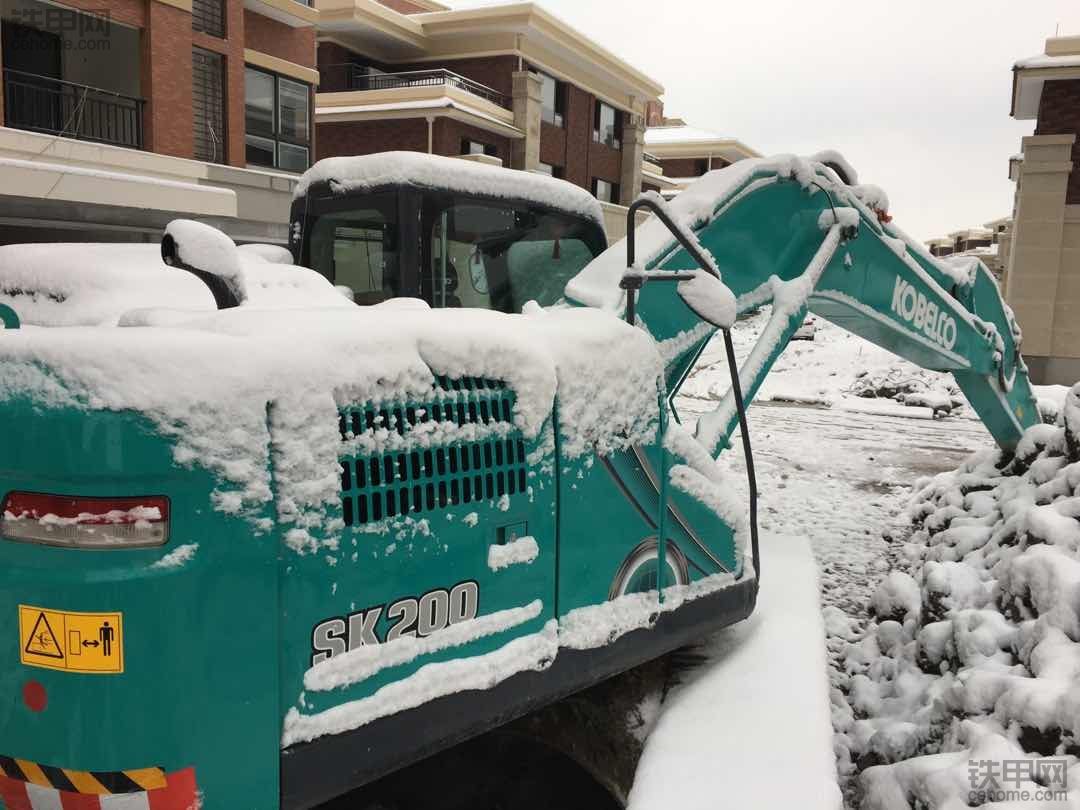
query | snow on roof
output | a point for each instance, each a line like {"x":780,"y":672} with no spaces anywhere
{"x":1044,"y":61}
{"x":347,"y":174}
{"x":442,"y":103}
{"x":681,"y":133}
{"x":79,"y":284}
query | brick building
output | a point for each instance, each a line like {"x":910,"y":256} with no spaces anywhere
{"x":683,"y":153}
{"x":508,"y":84}
{"x":1042,"y":282}
{"x":118,"y":117}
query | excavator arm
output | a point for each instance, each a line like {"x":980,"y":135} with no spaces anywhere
{"x":802,"y":236}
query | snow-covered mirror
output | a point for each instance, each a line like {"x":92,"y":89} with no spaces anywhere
{"x":709,"y":298}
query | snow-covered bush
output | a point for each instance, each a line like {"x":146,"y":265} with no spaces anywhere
{"x":974,"y":652}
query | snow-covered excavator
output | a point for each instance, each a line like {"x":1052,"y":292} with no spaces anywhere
{"x":262,"y":545}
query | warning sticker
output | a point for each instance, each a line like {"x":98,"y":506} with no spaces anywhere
{"x":73,"y":642}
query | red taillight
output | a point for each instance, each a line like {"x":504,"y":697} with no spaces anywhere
{"x":60,"y":520}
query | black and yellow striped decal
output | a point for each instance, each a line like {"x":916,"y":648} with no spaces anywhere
{"x":93,"y":783}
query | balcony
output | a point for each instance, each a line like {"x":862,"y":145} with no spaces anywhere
{"x":357,"y":77}
{"x":57,"y":107}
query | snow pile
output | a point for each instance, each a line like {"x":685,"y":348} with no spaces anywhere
{"x":129,"y":284}
{"x":974,"y":653}
{"x":350,"y":174}
{"x":750,"y":728}
{"x":88,"y":284}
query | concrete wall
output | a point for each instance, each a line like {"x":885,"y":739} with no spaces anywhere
{"x":1043,"y":279}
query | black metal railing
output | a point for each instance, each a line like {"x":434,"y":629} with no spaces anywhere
{"x":650,"y":158}
{"x":358,"y":78}
{"x":56,"y":107}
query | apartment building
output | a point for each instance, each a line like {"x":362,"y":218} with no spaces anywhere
{"x":509,"y":84}
{"x":119,"y":116}
{"x":1042,"y":282}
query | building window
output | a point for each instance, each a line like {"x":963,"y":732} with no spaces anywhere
{"x":278,"y":121}
{"x":607,"y":125}
{"x":208,"y":16}
{"x":471,"y":147}
{"x":549,"y":170}
{"x":605,"y":191}
{"x":208,"y":105}
{"x":552,"y":100}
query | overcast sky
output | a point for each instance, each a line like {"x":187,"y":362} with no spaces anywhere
{"x":915,"y":93}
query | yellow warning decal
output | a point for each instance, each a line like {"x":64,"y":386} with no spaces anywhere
{"x":90,"y":643}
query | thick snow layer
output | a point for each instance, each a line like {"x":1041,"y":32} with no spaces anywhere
{"x":207,"y":384}
{"x":751,"y":727}
{"x":204,"y":247}
{"x":1043,"y":61}
{"x":109,"y":284}
{"x":91,"y":284}
{"x":346,"y":174}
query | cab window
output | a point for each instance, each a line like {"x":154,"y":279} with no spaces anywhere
{"x":493,"y":256}
{"x":358,"y":247}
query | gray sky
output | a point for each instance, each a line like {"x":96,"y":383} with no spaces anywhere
{"x":915,"y":93}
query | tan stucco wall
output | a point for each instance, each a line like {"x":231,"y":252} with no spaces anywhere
{"x":1043,"y":280}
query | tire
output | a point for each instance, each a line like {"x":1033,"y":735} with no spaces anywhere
{"x":638,"y":571}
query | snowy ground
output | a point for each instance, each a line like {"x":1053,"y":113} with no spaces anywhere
{"x":837,"y":475}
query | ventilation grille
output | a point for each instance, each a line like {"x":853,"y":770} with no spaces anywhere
{"x":208,"y":16}
{"x":208,"y":104}
{"x":419,"y":480}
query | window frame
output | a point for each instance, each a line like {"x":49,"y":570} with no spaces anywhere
{"x":615,"y":142}
{"x":614,"y":195}
{"x":488,"y":149}
{"x":558,"y":113}
{"x":275,"y":135}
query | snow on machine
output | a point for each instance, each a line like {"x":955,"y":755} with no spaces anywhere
{"x":261,"y":544}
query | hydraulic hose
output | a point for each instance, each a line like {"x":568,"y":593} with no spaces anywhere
{"x":744,"y":431}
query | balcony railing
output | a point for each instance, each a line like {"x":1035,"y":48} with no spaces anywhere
{"x":358,"y":78}
{"x":56,"y":107}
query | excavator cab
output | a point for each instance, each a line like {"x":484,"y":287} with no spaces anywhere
{"x":423,"y":233}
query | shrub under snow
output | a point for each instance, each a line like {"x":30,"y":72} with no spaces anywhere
{"x":974,"y":652}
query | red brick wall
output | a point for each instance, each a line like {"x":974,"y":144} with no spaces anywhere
{"x":582,"y":160}
{"x":128,"y":12}
{"x":368,"y":137}
{"x":688,"y":167}
{"x":332,"y":73}
{"x":167,"y":80}
{"x":280,"y":40}
{"x":449,"y":134}
{"x":1059,"y":114}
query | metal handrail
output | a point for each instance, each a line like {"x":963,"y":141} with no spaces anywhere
{"x":631,"y":283}
{"x":56,"y":106}
{"x":421,"y":78}
{"x":99,"y":90}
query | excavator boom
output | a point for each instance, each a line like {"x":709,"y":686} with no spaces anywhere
{"x":794,"y":234}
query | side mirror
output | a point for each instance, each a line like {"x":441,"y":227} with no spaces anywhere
{"x":709,"y":298}
{"x":207,"y":254}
